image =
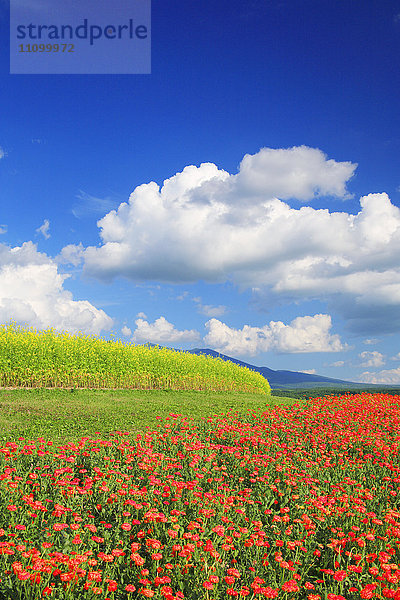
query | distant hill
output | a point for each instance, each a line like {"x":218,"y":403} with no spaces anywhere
{"x":286,"y":379}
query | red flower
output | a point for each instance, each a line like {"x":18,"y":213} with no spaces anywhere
{"x":60,"y":526}
{"x":355,"y":569}
{"x":233,"y":572}
{"x":290,"y":586}
{"x":157,"y":556}
{"x":137,"y":559}
{"x":76,"y":539}
{"x":219,"y":529}
{"x":47,"y":591}
{"x":269,"y":592}
{"x":368,"y":591}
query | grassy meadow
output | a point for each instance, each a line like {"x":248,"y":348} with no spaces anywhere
{"x":197,"y":494}
{"x":67,"y":415}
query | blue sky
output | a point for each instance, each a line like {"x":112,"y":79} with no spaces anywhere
{"x":244,"y":196}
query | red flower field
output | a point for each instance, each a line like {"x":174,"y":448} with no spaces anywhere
{"x":294,"y":503}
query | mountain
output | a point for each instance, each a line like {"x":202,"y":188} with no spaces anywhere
{"x":284,"y":379}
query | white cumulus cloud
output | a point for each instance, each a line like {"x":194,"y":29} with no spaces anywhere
{"x":32,"y":293}
{"x":161,"y":332}
{"x":71,"y":254}
{"x":206,"y":224}
{"x":387,"y":377}
{"x":300,"y":172}
{"x":372,"y":359}
{"x":126,"y":331}
{"x":304,"y":334}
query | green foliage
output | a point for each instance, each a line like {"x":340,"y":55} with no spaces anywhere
{"x":31,"y":358}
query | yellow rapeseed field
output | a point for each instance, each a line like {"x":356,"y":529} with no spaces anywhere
{"x":47,"y":358}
